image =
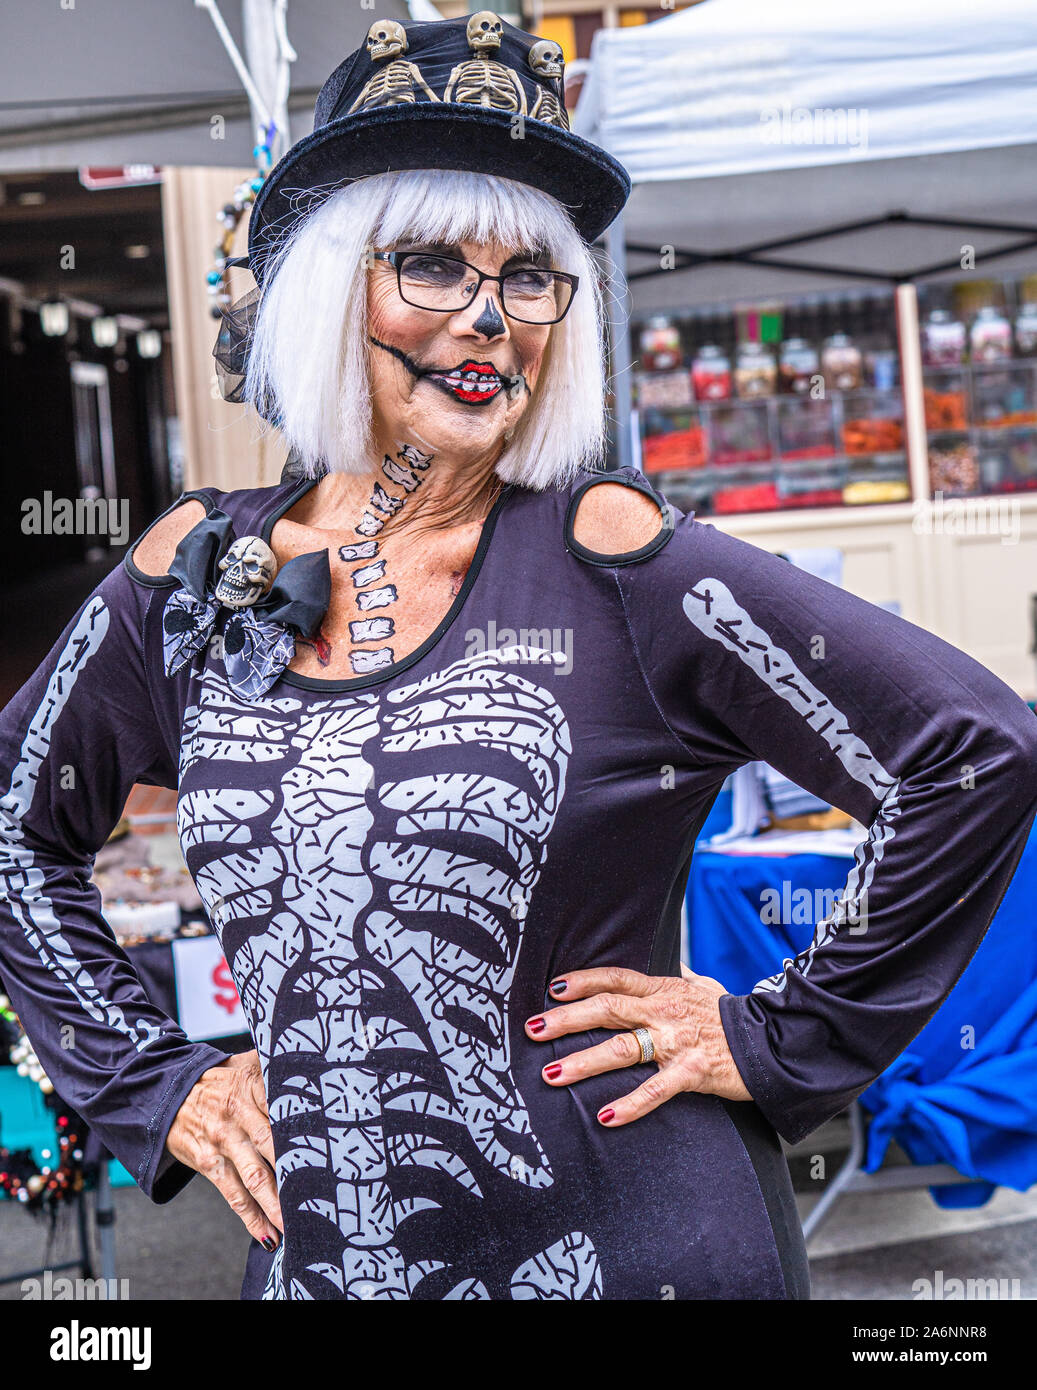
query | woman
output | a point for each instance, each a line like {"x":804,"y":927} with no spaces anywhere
{"x":446,"y":714}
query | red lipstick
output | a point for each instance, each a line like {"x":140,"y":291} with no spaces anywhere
{"x":475,"y":383}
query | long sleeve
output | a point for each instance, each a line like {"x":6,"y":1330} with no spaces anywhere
{"x":748,"y":658}
{"x":73,"y":741}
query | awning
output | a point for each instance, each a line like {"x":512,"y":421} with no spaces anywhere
{"x":114,"y":82}
{"x":746,"y":123}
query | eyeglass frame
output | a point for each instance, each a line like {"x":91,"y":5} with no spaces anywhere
{"x":394,"y":258}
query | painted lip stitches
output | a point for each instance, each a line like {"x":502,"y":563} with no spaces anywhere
{"x":475,"y":383}
{"x":472,"y":382}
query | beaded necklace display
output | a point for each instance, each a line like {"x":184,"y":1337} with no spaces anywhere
{"x":40,"y":1189}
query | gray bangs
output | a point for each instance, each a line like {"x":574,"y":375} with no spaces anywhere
{"x":473,"y":207}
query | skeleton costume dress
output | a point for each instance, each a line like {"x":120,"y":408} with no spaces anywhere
{"x":397,"y":865}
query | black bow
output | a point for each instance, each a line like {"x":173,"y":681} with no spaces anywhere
{"x":258,"y":641}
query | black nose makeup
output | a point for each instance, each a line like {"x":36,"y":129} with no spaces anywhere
{"x":489,"y":323}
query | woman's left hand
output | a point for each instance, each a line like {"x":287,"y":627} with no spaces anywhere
{"x":682,"y":1015}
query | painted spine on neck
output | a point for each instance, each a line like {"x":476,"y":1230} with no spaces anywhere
{"x":369,"y":578}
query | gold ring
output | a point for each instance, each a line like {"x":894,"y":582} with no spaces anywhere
{"x":644,"y":1042}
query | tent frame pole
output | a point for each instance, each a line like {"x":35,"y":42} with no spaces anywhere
{"x":619,"y":345}
{"x":753,"y":255}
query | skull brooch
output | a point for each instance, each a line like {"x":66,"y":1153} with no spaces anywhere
{"x":246,"y":572}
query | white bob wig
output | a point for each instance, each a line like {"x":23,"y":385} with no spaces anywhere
{"x":309,"y":349}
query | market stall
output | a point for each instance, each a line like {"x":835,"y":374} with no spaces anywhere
{"x":831,"y":253}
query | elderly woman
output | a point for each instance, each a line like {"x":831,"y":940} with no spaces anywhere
{"x":446,"y":712}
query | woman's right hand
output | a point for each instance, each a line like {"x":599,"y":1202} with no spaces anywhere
{"x":222,"y":1131}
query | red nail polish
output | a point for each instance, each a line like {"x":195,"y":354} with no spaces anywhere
{"x":606,"y":1115}
{"x":559,"y":986}
{"x":268,"y":1243}
{"x":554,"y":1071}
{"x":536,"y":1025}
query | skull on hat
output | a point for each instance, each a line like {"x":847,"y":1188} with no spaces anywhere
{"x":545,"y":58}
{"x":484,"y":31}
{"x":386,"y":39}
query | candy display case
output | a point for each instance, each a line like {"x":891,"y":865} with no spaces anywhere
{"x":776,"y":452}
{"x":1009,"y":463}
{"x":899,"y":429}
{"x":873,"y":442}
{"x":979,"y":353}
{"x":738,"y":432}
{"x":810,"y":412}
{"x":675,"y":441}
{"x":1004,"y":395}
{"x":806,"y":428}
{"x":873,"y":424}
{"x":789,"y":408}
{"x":1004,"y":415}
{"x":981,"y":425}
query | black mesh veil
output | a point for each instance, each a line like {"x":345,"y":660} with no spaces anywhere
{"x":237,"y":322}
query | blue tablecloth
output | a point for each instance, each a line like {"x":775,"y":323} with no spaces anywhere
{"x":965,"y":1091}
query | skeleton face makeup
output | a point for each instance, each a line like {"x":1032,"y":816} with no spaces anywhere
{"x":247,"y":572}
{"x":475,"y":383}
{"x":459,"y":381}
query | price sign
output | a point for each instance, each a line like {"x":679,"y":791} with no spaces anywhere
{"x":206,"y":996}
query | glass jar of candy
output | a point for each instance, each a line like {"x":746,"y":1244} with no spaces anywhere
{"x":841,"y":363}
{"x":660,"y":346}
{"x":943,"y":340}
{"x":711,"y":374}
{"x":798,"y":364}
{"x":990,"y":338}
{"x":756,"y":372}
{"x":1026,"y":331}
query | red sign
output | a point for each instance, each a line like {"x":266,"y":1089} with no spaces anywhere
{"x":226,"y":992}
{"x":120,"y":176}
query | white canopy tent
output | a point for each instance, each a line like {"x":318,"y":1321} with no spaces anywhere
{"x":788,"y":148}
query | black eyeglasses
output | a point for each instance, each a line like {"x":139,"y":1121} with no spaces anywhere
{"x":447,"y":285}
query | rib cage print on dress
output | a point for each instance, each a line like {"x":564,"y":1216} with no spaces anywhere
{"x":374,"y":963}
{"x":398,"y":867}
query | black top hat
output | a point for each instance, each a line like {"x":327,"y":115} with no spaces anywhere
{"x":469,"y":93}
